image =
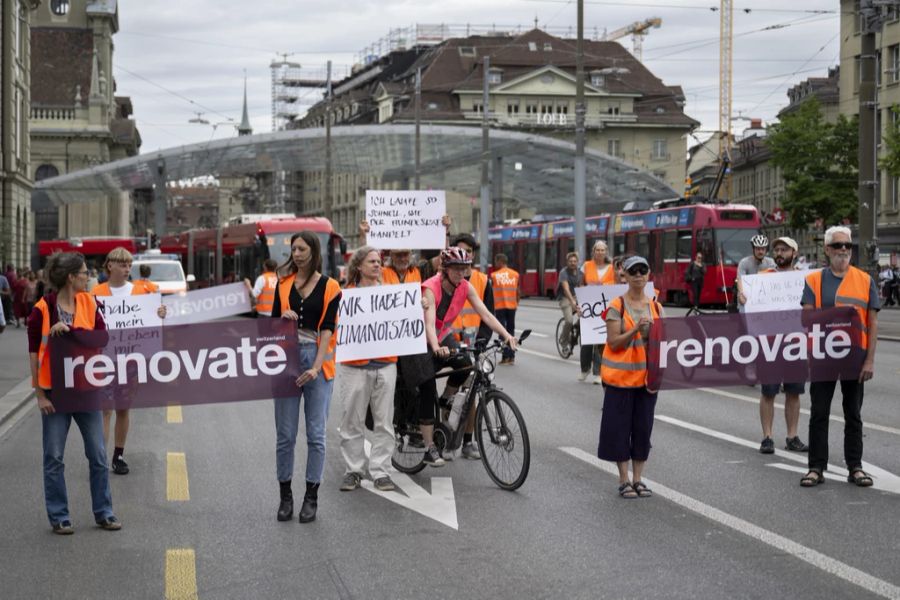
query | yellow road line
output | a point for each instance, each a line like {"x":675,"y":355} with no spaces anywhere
{"x":177,"y":477}
{"x":173,"y":414}
{"x":181,"y":574}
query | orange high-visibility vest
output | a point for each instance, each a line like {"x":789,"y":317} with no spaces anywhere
{"x":266,"y":297}
{"x":149,"y":286}
{"x":332,"y":289}
{"x":853,"y":291}
{"x":364,"y":362}
{"x":465,"y":326}
{"x":627,"y":368}
{"x":85,"y":314}
{"x":592,"y":274}
{"x":103,"y":289}
{"x":505,"y":282}
{"x":389,"y":276}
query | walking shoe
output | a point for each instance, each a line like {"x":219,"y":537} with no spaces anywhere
{"x":767,"y":446}
{"x":794,"y":444}
{"x":63,"y":528}
{"x":119,"y":466}
{"x":350,"y":482}
{"x":433,"y":457}
{"x":584,"y":376}
{"x":109,"y":524}
{"x":448,"y":455}
{"x":385,"y":484}
{"x":471,"y":452}
{"x":598,"y":380}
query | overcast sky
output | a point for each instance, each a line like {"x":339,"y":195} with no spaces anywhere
{"x":178,"y":58}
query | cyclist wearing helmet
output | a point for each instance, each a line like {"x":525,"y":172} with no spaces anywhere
{"x":446,"y":293}
{"x":753,"y":264}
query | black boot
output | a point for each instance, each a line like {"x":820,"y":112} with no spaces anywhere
{"x":310,"y":503}
{"x":286,"y":508}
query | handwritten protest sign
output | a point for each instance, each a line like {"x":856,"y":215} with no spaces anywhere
{"x":405,"y":219}
{"x":773,"y":291}
{"x":207,"y":304}
{"x":377,"y":321}
{"x":593,"y":300}
{"x":127,"y":312}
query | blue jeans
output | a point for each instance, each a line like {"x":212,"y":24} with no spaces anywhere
{"x":317,"y":395}
{"x":55,"y":431}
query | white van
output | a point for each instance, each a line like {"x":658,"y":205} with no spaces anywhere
{"x":165,"y":271}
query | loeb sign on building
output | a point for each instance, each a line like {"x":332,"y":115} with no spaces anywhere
{"x":225,"y":361}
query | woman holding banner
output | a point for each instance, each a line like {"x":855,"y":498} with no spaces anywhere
{"x":628,"y":405}
{"x":311,"y":299}
{"x":445,"y":295}
{"x":118,"y":266}
{"x":367,"y":384}
{"x":55,"y":315}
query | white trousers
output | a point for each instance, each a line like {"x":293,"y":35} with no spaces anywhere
{"x":361,"y":388}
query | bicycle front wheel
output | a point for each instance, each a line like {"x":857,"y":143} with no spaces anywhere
{"x":409,"y":452}
{"x":503,"y":440}
{"x":563,"y":343}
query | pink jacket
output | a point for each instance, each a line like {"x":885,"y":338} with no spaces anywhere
{"x":456,"y":303}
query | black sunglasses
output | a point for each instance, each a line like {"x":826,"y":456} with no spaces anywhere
{"x":638,"y":270}
{"x":841,"y":246}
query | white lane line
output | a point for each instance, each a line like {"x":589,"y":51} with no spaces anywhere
{"x":825,"y":563}
{"x":835,"y":418}
{"x":540,"y":335}
{"x":883,"y":480}
{"x":541,"y":354}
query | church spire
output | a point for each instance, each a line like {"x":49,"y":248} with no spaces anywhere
{"x":244,"y":128}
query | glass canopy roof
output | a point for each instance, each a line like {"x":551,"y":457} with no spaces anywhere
{"x":537,"y":171}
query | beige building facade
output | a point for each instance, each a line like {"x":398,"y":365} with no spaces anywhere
{"x":76,"y":120}
{"x":16,"y":223}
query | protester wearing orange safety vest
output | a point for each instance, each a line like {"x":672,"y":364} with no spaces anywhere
{"x":400,"y":271}
{"x":263,"y":290}
{"x":628,"y":405}
{"x":841,"y":284}
{"x":505,"y":283}
{"x":144,"y":281}
{"x":118,"y":267}
{"x":311,"y":299}
{"x":367,"y":385}
{"x":56,"y":314}
{"x":597,"y":271}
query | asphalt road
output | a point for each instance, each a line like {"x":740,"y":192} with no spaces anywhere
{"x":725,"y":520}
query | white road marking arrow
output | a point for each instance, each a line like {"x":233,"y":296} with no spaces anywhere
{"x":439,"y":505}
{"x":883,"y":480}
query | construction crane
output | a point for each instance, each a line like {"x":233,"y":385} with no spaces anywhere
{"x":637,"y":31}
{"x":726,"y":39}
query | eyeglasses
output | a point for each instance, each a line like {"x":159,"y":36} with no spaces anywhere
{"x":841,"y":246}
{"x":638,"y":270}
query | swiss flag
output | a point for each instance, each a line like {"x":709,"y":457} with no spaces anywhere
{"x":778,"y":215}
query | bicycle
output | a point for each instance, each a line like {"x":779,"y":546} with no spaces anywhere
{"x":566,"y":347}
{"x":500,"y":430}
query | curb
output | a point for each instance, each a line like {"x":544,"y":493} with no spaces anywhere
{"x":10,"y":405}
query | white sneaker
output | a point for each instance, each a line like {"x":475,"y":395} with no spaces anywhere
{"x":583,"y":376}
{"x":598,"y":380}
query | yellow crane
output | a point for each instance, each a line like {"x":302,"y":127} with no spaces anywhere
{"x":637,"y":31}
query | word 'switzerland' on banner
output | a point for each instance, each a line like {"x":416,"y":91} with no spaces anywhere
{"x":225,"y":361}
{"x":593,"y":300}
{"x":405,"y":219}
{"x":379,"y":321}
{"x":207,"y":304}
{"x":791,"y":346}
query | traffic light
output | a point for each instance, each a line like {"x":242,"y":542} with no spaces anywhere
{"x":688,"y":184}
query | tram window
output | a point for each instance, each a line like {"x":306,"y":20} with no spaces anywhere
{"x":707,"y":246}
{"x":531,"y":257}
{"x":670,"y":243}
{"x":227,"y":268}
{"x":619,"y":245}
{"x":643,"y":245}
{"x":684,"y":244}
{"x":550,"y":256}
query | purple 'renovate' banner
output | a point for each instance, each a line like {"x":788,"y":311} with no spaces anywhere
{"x":725,"y":350}
{"x":222,"y":361}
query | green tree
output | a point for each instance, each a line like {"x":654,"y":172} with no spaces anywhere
{"x":890,"y":160}
{"x":819,"y":163}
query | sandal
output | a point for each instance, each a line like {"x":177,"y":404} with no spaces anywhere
{"x":812,"y":479}
{"x":863,"y":480}
{"x":642,"y":490}
{"x":626,"y":490}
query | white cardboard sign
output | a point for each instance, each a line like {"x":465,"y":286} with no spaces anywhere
{"x":207,"y":304}
{"x":382,"y":320}
{"x":128,"y":312}
{"x":593,"y":300}
{"x":773,"y":291}
{"x":405,"y":219}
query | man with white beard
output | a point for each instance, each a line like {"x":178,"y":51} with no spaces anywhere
{"x":840,"y":284}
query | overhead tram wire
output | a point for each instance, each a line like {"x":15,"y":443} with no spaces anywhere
{"x":176,"y":94}
{"x":624,"y":4}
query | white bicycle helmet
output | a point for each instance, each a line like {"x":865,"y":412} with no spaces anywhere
{"x":759,"y":241}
